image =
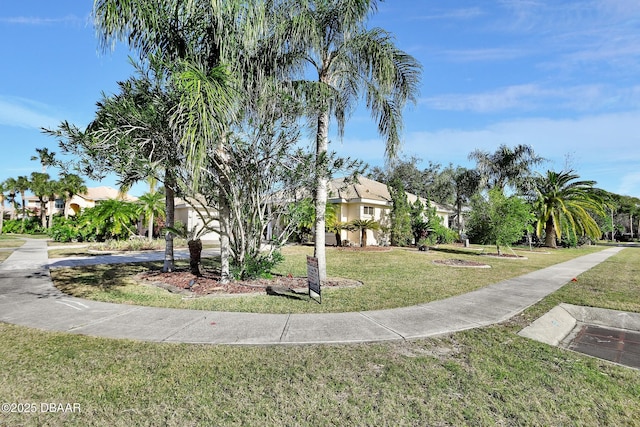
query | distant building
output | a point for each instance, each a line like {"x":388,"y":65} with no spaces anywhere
{"x":78,"y":202}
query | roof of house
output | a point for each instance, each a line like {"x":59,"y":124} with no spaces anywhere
{"x":342,"y":189}
{"x":106,"y":193}
{"x":363,"y":188}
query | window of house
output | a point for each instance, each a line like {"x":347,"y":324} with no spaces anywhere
{"x":369,"y":210}
{"x":59,"y":204}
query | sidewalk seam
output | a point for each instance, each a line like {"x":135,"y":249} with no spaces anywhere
{"x":383,"y":326}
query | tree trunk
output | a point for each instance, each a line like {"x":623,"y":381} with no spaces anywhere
{"x":322,"y":146}
{"x":364,"y":237}
{"x":169,"y":184}
{"x":51,"y":206}
{"x":195,"y":256}
{"x":550,"y":234}
{"x":24,"y":209}
{"x":150,"y":230}
{"x":43,"y":213}
{"x":225,"y":249}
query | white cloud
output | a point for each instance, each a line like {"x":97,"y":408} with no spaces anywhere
{"x":533,"y":97}
{"x":20,"y":112}
{"x":35,"y":20}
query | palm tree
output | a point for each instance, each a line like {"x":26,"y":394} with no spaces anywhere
{"x":187,"y":40}
{"x":3,"y":187}
{"x":10,"y":186}
{"x":363,"y":225}
{"x":22,"y":185}
{"x":350,"y":62}
{"x":46,"y":158}
{"x":39,"y":185}
{"x":69,"y":185}
{"x":564,"y":202}
{"x":152,"y":205}
{"x":506,"y":166}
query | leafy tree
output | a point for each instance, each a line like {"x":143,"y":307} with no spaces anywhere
{"x":349,"y":61}
{"x":506,"y":166}
{"x":425,"y":183}
{"x":399,"y":215}
{"x":419,"y":224}
{"x":499,"y":220}
{"x":563,"y":201}
{"x":363,"y":225}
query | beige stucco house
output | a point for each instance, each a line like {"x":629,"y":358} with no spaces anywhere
{"x":192,"y":217}
{"x":369,"y":199}
{"x":78,"y":202}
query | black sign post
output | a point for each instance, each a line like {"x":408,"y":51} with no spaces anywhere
{"x":313,"y":278}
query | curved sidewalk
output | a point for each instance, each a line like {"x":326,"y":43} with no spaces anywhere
{"x":28,"y":298}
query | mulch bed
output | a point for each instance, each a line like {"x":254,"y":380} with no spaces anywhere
{"x":460,"y":263}
{"x":183,"y":282}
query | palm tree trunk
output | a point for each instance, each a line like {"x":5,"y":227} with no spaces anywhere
{"x":24,"y":211}
{"x":550,"y":234}
{"x":170,"y":220}
{"x":195,"y":256}
{"x":150,"y":231}
{"x":225,"y":249}
{"x":322,"y":146}
{"x":364,"y":237}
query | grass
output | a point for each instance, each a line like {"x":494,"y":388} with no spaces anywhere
{"x":482,"y":377}
{"x":391,"y":279}
{"x":7,"y":243}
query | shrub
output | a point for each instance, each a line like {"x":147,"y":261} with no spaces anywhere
{"x":259,"y":266}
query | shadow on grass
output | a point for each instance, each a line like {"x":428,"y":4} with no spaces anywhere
{"x":455,"y":251}
{"x":287,"y":293}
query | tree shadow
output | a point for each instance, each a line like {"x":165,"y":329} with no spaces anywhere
{"x":287,"y":293}
{"x":454,"y":251}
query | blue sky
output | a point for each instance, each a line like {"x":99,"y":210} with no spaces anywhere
{"x":561,"y":76}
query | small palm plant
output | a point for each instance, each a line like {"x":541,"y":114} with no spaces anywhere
{"x":363,"y":225}
{"x":194,"y":242}
{"x":336,"y":227}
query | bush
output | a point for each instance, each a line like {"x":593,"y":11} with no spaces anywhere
{"x":31,"y":226}
{"x":259,"y":266}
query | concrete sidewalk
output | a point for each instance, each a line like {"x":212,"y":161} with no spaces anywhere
{"x":28,"y":298}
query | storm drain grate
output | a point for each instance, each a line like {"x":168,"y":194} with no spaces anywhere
{"x":616,"y":345}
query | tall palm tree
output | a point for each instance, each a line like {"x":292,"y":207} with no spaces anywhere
{"x":39,"y":185}
{"x":3,"y":188}
{"x":46,"y":158}
{"x":22,"y":185}
{"x":69,"y":185}
{"x":10,"y":186}
{"x":189,"y":40}
{"x":350,"y":62}
{"x":152,"y":205}
{"x":564,"y":202}
{"x":506,"y":166}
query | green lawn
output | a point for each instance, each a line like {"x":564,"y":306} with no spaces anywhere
{"x":482,"y":377}
{"x":396,"y":278}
